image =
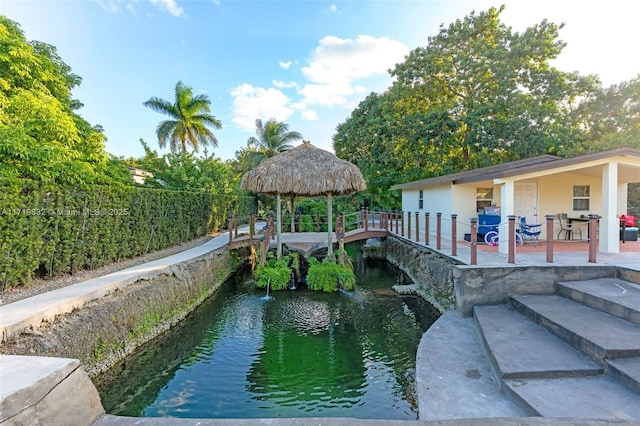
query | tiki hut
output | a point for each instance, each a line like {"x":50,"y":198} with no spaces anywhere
{"x":304,"y":171}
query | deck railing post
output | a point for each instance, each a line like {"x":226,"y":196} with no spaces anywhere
{"x":438,"y":231}
{"x":511,"y":240}
{"x":417,"y":227}
{"x":454,"y":234}
{"x":409,"y":225}
{"x":549,"y":218}
{"x":230,"y":226}
{"x":474,"y":241}
{"x":426,"y":228}
{"x":395,"y":214}
{"x":401,"y":223}
{"x":593,"y":241}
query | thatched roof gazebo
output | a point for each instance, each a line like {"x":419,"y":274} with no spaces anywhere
{"x":304,"y":171}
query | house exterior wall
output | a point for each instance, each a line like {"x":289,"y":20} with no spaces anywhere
{"x":555,"y":195}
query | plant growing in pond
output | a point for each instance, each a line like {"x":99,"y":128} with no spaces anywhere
{"x":328,"y":275}
{"x":275,"y":273}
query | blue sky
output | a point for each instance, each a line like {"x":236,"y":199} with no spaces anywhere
{"x":305,"y":62}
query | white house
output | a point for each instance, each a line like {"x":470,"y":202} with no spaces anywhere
{"x":532,"y":188}
{"x":139,"y":175}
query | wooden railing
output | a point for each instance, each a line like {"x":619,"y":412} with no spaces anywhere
{"x":412,"y":226}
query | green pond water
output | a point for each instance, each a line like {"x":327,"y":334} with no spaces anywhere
{"x":298,"y":354}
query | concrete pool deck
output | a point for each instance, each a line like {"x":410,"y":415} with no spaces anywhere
{"x":454,"y":381}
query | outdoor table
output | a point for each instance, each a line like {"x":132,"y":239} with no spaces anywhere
{"x":583,"y":219}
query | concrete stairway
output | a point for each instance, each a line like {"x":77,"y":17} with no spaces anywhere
{"x":572,"y":354}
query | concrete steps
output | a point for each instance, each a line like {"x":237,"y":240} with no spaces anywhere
{"x":574,"y":354}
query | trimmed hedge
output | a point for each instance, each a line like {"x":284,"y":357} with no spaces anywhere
{"x":50,"y":230}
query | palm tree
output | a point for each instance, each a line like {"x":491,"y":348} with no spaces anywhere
{"x":271,"y":139}
{"x":189,"y":123}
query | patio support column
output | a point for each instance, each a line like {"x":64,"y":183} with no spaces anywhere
{"x":278,"y":222}
{"x":609,"y":224}
{"x":507,"y":201}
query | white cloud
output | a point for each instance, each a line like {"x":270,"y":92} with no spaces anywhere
{"x":309,"y":115}
{"x":350,"y":59}
{"x":334,"y":93}
{"x":169,"y":5}
{"x":337,"y":62}
{"x":333,"y":8}
{"x":250,"y":103}
{"x":284,"y":85}
{"x":285,"y":65}
{"x":298,"y":105}
{"x":114,"y":6}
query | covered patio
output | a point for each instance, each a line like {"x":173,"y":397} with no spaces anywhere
{"x":533,"y":188}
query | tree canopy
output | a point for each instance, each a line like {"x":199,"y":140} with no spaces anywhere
{"x":480,"y":93}
{"x":189,"y":120}
{"x":41,"y":136}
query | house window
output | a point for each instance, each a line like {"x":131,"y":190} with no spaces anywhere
{"x":484,"y":198}
{"x":421,"y":200}
{"x":581,"y":195}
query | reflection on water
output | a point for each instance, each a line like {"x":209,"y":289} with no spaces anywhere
{"x":299,"y":354}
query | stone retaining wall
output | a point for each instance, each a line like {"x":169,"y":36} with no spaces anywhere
{"x":106,"y":330}
{"x":431,"y":272}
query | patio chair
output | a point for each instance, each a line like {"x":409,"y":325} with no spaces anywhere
{"x":567,"y":227}
{"x":529,"y":232}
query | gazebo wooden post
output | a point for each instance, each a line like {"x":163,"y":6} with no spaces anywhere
{"x":366,"y":219}
{"x":409,"y":225}
{"x":278,"y":222}
{"x":252,"y":227}
{"x":235,"y":222}
{"x":417,"y":227}
{"x":401,"y":223}
{"x":330,"y":224}
{"x":395,"y":214}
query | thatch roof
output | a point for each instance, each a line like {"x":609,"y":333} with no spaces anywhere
{"x":304,"y":170}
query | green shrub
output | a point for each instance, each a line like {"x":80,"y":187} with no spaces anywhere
{"x":56,"y":229}
{"x":328,"y":276}
{"x":275,"y":273}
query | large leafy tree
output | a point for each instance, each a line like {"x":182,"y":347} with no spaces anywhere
{"x":187,"y":172}
{"x":189,"y":121}
{"x":611,"y":118}
{"x":478,"y":93}
{"x":41,"y":136}
{"x":272,"y":138}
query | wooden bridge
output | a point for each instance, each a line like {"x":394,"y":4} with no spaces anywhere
{"x":362,"y":225}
